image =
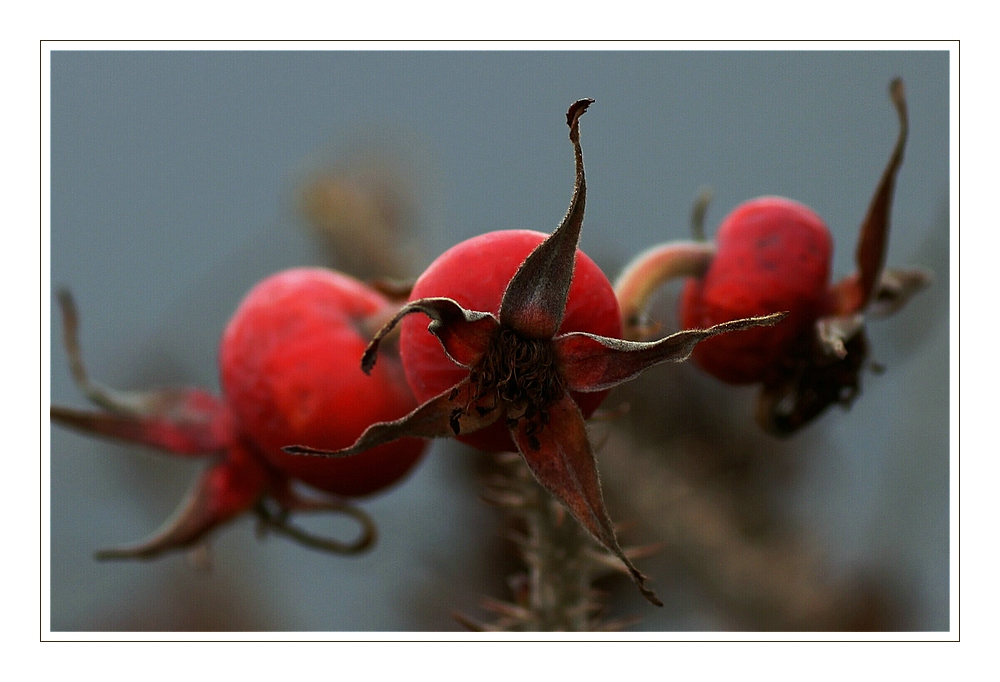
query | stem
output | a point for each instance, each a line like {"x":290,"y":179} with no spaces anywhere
{"x":652,"y":268}
{"x":562,"y":560}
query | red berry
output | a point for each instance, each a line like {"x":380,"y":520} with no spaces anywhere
{"x":475,"y":273}
{"x":290,"y":373}
{"x":773,"y":254}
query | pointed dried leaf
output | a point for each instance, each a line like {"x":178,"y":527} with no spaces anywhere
{"x":456,"y":411}
{"x":875,"y":228}
{"x":535,"y":299}
{"x":589,"y":362}
{"x":195,"y":426}
{"x":464,"y":334}
{"x":223,"y":491}
{"x":560,"y":457}
{"x":895,"y":288}
{"x":833,"y":332}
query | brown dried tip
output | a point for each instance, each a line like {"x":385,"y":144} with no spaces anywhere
{"x":875,"y":228}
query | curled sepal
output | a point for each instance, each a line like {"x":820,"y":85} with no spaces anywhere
{"x":833,"y":332}
{"x":597,"y":363}
{"x":895,"y":289}
{"x":464,"y":334}
{"x":557,"y":450}
{"x":194,"y":424}
{"x":874,"y":235}
{"x":535,"y":299}
{"x":185,"y":421}
{"x":459,"y":410}
{"x":279,"y":522}
{"x":223,"y":491}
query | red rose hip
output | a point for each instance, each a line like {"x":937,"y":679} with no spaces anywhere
{"x":772,"y":254}
{"x":475,"y":274}
{"x":289,"y":371}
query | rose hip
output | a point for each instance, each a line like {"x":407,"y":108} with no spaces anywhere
{"x":289,"y":372}
{"x":772,"y":254}
{"x":475,"y":274}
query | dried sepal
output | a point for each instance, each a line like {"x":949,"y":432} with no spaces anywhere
{"x":186,"y":421}
{"x":184,"y":436}
{"x":833,"y":332}
{"x":895,"y":289}
{"x":520,"y":370}
{"x":874,"y":236}
{"x":464,"y":334}
{"x":455,"y":411}
{"x":535,"y":299}
{"x":560,"y":457}
{"x":595,"y":363}
{"x":222,"y":491}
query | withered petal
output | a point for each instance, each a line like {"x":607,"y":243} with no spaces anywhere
{"x":455,"y":411}
{"x":560,"y":456}
{"x":464,"y":334}
{"x":588,"y":362}
{"x":223,"y":491}
{"x":535,"y":300}
{"x":874,"y":235}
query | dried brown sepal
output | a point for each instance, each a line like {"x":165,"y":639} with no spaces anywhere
{"x":535,"y":300}
{"x":457,"y":410}
{"x":221,"y":492}
{"x":874,"y":236}
{"x":464,"y":334}
{"x":520,"y":370}
{"x":595,"y":363}
{"x":560,"y":457}
{"x":185,"y":421}
{"x":196,"y":437}
{"x":895,"y":289}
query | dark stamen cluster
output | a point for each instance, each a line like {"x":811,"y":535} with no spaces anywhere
{"x":521,"y":373}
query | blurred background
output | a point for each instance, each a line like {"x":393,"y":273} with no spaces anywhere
{"x":179,"y":179}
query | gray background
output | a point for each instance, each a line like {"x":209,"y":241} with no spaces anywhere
{"x":172,"y":184}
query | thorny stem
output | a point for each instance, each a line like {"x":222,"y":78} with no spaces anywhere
{"x":649,"y":270}
{"x":562,"y":560}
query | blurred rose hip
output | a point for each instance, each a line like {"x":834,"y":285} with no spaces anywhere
{"x":773,"y":253}
{"x":288,"y":372}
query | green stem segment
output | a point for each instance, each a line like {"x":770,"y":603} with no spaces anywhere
{"x":650,"y":270}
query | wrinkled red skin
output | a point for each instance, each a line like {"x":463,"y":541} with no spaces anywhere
{"x":290,"y":372}
{"x":773,"y":254}
{"x":475,"y":274}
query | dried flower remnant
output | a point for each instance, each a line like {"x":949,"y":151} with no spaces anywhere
{"x":521,"y":367}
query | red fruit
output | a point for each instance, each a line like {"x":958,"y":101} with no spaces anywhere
{"x":290,"y":374}
{"x":773,"y":254}
{"x":475,"y":274}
